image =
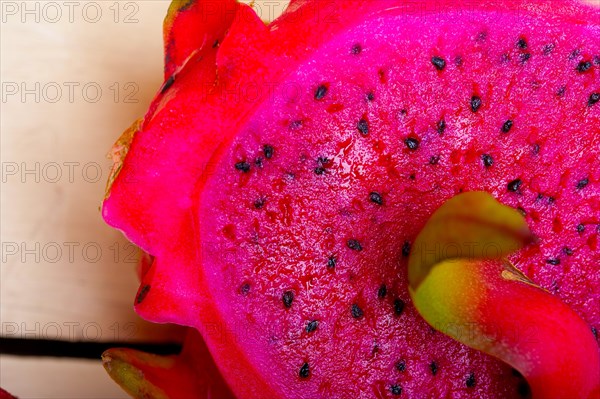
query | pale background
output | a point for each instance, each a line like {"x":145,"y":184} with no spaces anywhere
{"x":74,"y":76}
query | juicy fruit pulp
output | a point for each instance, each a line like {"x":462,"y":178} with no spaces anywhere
{"x":280,"y":178}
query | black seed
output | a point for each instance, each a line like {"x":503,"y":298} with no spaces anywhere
{"x":439,"y":63}
{"x":259,"y":162}
{"x":356,"y":49}
{"x":475,"y":103}
{"x":412,"y":143}
{"x":382,"y":292}
{"x":568,"y":251}
{"x":268,"y":150}
{"x":243,"y":166}
{"x":521,"y":43}
{"x":470,"y":382}
{"x":412,"y":176}
{"x":441,"y":126}
{"x":375,"y":348}
{"x":168,"y":84}
{"x":320,"y":92}
{"x":297,"y":124}
{"x":259,"y":203}
{"x":514,"y":185}
{"x":522,"y":211}
{"x":597,"y":60}
{"x":288,"y":299}
{"x":574,"y":54}
{"x":507,"y":126}
{"x":363,"y":127}
{"x":523,"y":388}
{"x":245,"y":289}
{"x":354,"y":245}
{"x":580,"y":228}
{"x":553,"y":261}
{"x":536,"y":148}
{"x":401,"y":366}
{"x":487,"y":160}
{"x":319,"y":170}
{"x":331,"y":262}
{"x":548,"y":48}
{"x":396,"y":390}
{"x":312,"y":326}
{"x":434,"y":160}
{"x":216,"y":43}
{"x":304,"y":371}
{"x":561,"y":91}
{"x":594,"y":98}
{"x":370,"y":96}
{"x":584,"y":66}
{"x":356,"y":311}
{"x":406,"y":249}
{"x":595,"y":332}
{"x":434,"y":368}
{"x":376,"y":198}
{"x":398,"y":306}
{"x":582,"y":183}
{"x":524,"y":57}
{"x":516,"y":373}
{"x":142,"y":294}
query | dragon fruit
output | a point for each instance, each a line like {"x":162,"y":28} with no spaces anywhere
{"x":288,"y":179}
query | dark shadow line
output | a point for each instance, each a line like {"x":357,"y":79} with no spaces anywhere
{"x":77,"y":349}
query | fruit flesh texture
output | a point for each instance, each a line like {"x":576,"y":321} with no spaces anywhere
{"x":310,"y":217}
{"x":184,"y":293}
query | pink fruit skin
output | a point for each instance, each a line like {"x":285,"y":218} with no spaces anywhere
{"x":162,"y":197}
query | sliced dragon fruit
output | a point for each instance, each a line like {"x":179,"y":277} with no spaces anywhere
{"x":283,"y":172}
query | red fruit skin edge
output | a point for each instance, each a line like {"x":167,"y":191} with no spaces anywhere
{"x":490,"y":306}
{"x":548,"y":342}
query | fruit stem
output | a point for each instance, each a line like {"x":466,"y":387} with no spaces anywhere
{"x":488,"y":304}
